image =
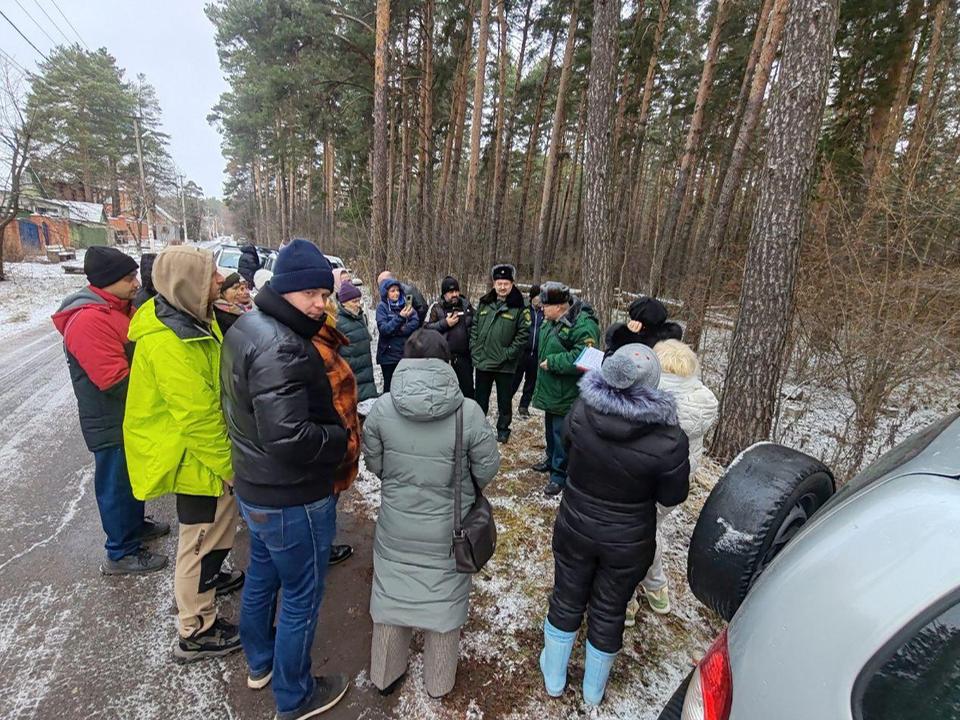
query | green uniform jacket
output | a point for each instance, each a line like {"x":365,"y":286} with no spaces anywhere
{"x":561,"y":342}
{"x":174,"y":432}
{"x":500,"y":332}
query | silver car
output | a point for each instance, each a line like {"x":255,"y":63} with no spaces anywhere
{"x":855,"y":615}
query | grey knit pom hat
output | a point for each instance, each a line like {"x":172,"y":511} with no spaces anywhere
{"x":646,"y":361}
{"x":619,"y":372}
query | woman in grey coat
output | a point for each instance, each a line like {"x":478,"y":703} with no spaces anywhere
{"x":408,"y":441}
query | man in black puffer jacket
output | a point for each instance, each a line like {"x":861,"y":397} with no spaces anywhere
{"x":626,"y":454}
{"x":452,"y":317}
{"x":249,"y":263}
{"x":288,"y":440}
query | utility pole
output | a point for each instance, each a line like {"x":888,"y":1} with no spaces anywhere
{"x":151,"y":228}
{"x":183,"y":206}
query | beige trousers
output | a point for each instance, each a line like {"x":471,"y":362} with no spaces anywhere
{"x":391,"y":646}
{"x":207,"y":529}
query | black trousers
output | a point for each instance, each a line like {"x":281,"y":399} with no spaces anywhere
{"x":526,"y":375}
{"x":463,"y":367}
{"x":504,"y":382}
{"x":388,"y":370}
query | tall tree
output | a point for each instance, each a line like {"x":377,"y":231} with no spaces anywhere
{"x":476,"y":121}
{"x":556,"y":137}
{"x":690,"y":152}
{"x":599,"y":246}
{"x":759,"y":345}
{"x":380,"y":238}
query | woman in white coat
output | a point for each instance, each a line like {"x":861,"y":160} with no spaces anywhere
{"x":696,"y":412}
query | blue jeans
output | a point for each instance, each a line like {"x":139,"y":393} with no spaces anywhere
{"x":121,"y":514}
{"x":289,"y":550}
{"x":556,"y":453}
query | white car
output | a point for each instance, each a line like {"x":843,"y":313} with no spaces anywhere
{"x":839,"y":608}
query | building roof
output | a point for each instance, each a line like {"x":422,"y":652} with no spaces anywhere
{"x":84,"y":211}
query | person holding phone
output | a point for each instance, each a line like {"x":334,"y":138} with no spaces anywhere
{"x":396,"y":321}
{"x":452,"y":316}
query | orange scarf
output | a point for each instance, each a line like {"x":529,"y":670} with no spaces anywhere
{"x":344,"y":386}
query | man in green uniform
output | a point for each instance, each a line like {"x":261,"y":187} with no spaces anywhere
{"x":570,"y":325}
{"x":501,"y":326}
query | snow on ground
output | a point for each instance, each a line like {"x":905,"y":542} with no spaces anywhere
{"x":33,"y":292}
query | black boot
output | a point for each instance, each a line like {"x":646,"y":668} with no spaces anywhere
{"x":220,"y":640}
{"x":503,"y":436}
{"x":339,"y":553}
{"x":542,"y":467}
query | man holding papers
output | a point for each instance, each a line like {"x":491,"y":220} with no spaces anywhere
{"x":570,"y":326}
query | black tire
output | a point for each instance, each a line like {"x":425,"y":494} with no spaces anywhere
{"x":756,"y":508}
{"x":674,"y":707}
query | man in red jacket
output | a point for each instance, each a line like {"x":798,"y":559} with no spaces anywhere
{"x":94,"y":323}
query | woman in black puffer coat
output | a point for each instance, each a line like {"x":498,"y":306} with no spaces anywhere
{"x":626,"y":454}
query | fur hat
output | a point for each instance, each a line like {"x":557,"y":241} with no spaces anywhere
{"x":646,"y":361}
{"x":619,"y":371}
{"x":534,"y":291}
{"x":649,"y":311}
{"x":554,"y":293}
{"x":504,"y":272}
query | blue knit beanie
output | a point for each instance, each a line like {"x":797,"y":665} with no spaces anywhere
{"x":301,"y":266}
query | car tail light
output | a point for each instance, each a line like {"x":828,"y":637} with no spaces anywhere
{"x":710,"y":694}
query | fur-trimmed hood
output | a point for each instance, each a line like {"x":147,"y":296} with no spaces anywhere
{"x":637,"y":403}
{"x":514,"y":299}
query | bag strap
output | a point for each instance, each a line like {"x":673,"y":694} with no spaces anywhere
{"x":458,"y":475}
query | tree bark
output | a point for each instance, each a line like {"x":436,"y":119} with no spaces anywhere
{"x":925,"y":101}
{"x":503,"y":165}
{"x":426,"y":132}
{"x":532,"y":150}
{"x":598,"y":246}
{"x":473,"y":170}
{"x":691,"y":149}
{"x":716,"y":226}
{"x":759,"y":346}
{"x":379,"y":224}
{"x":559,"y":123}
{"x":500,"y":126}
{"x":329,"y":165}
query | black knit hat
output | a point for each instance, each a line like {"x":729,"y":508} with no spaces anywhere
{"x":449,"y":284}
{"x":104,"y":266}
{"x":534,"y":291}
{"x":233,"y":278}
{"x":424,"y":344}
{"x":554,"y":293}
{"x":649,"y":311}
{"x":504,"y":272}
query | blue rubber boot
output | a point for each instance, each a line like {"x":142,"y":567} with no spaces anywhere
{"x":557,"y":646}
{"x":595,"y":674}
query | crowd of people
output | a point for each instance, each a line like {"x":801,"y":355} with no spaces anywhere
{"x":245,"y":405}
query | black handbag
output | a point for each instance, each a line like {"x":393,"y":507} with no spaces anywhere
{"x":475,"y":535}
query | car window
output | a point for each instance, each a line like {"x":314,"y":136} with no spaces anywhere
{"x":229,"y":259}
{"x":900,"y":454}
{"x":920,"y":680}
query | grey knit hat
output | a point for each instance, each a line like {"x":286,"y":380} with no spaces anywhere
{"x":619,"y":371}
{"x":646,"y":361}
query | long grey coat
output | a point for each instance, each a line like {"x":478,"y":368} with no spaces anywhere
{"x":408,"y":441}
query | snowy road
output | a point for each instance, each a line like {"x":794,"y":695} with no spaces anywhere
{"x":77,"y":645}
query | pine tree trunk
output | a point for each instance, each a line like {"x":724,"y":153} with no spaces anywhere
{"x":925,"y":101}
{"x":453,"y":184}
{"x":691,"y":149}
{"x":880,"y":118}
{"x":500,"y":127}
{"x":331,"y":191}
{"x":380,"y":226}
{"x":711,"y":244}
{"x":599,"y":245}
{"x":503,"y":166}
{"x":426,"y":133}
{"x":550,"y":168}
{"x":759,"y":345}
{"x":476,"y":120}
{"x":532,"y":150}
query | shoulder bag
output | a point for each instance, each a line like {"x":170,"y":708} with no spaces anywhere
{"x":475,"y":535}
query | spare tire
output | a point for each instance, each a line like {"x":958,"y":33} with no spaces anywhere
{"x":759,"y":504}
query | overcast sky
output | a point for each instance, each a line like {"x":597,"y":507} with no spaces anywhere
{"x":169,"y":41}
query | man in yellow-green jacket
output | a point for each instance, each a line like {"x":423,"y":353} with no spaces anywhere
{"x":176,"y":440}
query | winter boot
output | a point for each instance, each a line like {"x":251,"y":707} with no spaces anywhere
{"x":140,"y":562}
{"x":557,"y":646}
{"x":596,"y":671}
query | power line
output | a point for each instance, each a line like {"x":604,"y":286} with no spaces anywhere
{"x":11,"y":59}
{"x":70,"y":24}
{"x":54,"y":42}
{"x":52,"y":21}
{"x":22,"y":35}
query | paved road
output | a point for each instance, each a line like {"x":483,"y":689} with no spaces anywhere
{"x":77,"y":645}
